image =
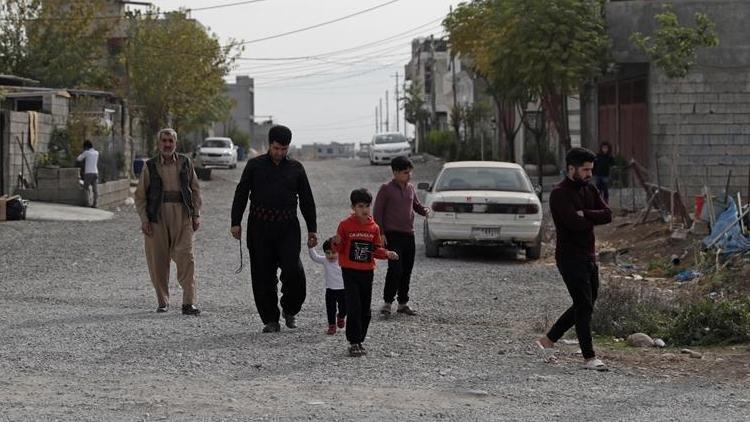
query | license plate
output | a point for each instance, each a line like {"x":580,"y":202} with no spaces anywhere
{"x":485,"y":232}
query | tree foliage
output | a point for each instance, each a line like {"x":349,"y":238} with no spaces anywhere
{"x":673,"y":47}
{"x":61,"y":43}
{"x":175,"y":72}
{"x":13,"y":53}
{"x":532,"y":49}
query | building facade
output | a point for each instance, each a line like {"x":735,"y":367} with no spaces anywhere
{"x":701,"y":123}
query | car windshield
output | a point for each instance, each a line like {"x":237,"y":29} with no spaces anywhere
{"x":215,"y":143}
{"x":483,"y":178}
{"x":389,"y":139}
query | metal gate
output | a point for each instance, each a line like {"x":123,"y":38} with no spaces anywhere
{"x":623,"y":117}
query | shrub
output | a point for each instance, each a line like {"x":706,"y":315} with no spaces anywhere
{"x":710,"y":322}
{"x":441,"y":144}
{"x":623,"y":309}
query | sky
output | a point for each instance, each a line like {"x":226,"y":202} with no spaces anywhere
{"x":324,"y":83}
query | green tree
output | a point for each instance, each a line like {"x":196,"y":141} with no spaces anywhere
{"x":176,"y":73}
{"x":674,"y":49}
{"x":414,"y":109}
{"x":527,"y":50}
{"x":13,"y":42}
{"x":66,"y":44}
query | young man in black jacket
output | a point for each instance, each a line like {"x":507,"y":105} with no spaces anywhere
{"x":576,"y":208}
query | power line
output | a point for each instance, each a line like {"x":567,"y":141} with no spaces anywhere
{"x":221,"y":6}
{"x":307,"y":28}
{"x":345,"y":50}
{"x":347,"y":76}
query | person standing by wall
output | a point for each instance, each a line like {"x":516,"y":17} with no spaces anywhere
{"x":90,"y":158}
{"x":602,"y":166}
{"x":274,"y":183}
{"x":168,"y":201}
{"x":576,"y":208}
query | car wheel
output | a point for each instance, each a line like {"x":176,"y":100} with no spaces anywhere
{"x":431,"y":247}
{"x":534,"y":251}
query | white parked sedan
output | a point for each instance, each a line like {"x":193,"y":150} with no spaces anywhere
{"x":218,"y":152}
{"x":482,"y":203}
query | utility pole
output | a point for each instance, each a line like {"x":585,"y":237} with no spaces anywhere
{"x":380,"y":110}
{"x":397,"y":108}
{"x":376,"y":120}
{"x":387,"y":113}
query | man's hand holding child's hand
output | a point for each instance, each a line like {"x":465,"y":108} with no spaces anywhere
{"x":393,"y":256}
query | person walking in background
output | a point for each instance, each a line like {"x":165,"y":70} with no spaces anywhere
{"x":168,"y":201}
{"x":602,"y":166}
{"x":274,"y":183}
{"x":576,"y":208}
{"x":334,"y":283}
{"x":358,"y":244}
{"x":394,"y":210}
{"x":90,"y":158}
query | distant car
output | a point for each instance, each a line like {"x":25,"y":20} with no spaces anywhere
{"x":386,"y":146}
{"x":483,"y":203}
{"x":218,"y":152}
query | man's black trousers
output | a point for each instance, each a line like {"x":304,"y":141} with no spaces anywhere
{"x":398,"y":277}
{"x":335,"y":297}
{"x":275,"y":245}
{"x":358,"y":291}
{"x":582,"y":280}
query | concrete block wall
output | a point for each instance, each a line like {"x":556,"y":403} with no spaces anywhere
{"x":63,"y":186}
{"x":702,"y":120}
{"x":16,"y":129}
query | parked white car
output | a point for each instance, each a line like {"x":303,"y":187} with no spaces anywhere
{"x":384,"y":147}
{"x":482,"y":203}
{"x":218,"y":152}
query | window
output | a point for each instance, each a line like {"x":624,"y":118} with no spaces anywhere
{"x":483,"y":178}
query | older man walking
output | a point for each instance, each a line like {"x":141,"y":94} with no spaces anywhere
{"x":168,"y":201}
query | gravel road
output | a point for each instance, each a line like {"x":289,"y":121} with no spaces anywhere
{"x":79,"y":338}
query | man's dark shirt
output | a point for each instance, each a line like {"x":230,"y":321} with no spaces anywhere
{"x":274,"y":187}
{"x":575,"y":234}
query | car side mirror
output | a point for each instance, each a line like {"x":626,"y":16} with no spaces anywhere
{"x":423,"y":186}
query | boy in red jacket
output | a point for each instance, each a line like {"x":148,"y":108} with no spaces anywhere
{"x":358,"y":244}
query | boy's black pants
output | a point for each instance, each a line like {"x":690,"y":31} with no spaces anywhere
{"x":358,"y":292}
{"x":582,"y":280}
{"x":398,"y":277}
{"x":334,"y":297}
{"x":275,"y":245}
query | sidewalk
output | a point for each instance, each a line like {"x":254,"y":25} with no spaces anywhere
{"x":47,"y":211}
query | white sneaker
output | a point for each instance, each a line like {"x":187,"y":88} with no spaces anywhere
{"x":595,"y":365}
{"x":386,"y":309}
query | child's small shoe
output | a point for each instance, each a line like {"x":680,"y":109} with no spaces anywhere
{"x":331,"y":329}
{"x":341,"y":321}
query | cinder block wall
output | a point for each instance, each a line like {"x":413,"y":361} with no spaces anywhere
{"x":703,"y":121}
{"x":704,"y":118}
{"x":17,"y":129}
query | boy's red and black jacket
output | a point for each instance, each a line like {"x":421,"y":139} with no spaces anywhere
{"x":360,"y":244}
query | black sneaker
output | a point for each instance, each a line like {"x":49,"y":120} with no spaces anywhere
{"x":190,"y":310}
{"x":162,"y":308}
{"x":290,"y":321}
{"x":272,"y":327}
{"x":355,"y":350}
{"x":362,"y":350}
